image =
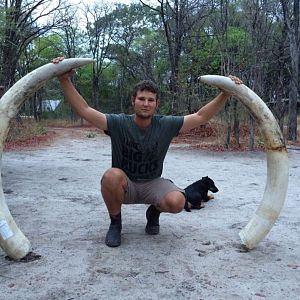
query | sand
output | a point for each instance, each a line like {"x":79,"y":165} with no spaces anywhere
{"x":53,"y":195}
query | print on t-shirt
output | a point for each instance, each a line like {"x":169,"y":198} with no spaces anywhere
{"x":139,"y":159}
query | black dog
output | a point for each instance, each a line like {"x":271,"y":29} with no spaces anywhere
{"x":196,"y":193}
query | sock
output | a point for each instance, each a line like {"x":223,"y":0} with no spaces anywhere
{"x":116,"y":219}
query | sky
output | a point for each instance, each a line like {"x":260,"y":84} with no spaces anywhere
{"x":104,"y":1}
{"x":79,"y":4}
{"x":112,"y":1}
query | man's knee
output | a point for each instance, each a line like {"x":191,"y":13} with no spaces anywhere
{"x":174,"y":201}
{"x":113,"y":178}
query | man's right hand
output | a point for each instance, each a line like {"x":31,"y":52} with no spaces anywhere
{"x":77,"y":102}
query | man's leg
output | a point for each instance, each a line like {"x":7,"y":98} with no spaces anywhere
{"x":113,"y":187}
{"x":172,"y":202}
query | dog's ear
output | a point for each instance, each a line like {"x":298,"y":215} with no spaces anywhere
{"x":206,"y":177}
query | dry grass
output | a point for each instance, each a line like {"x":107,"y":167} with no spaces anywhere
{"x":63,"y":123}
{"x":26,"y":133}
{"x":27,"y":128}
{"x":211,"y":136}
{"x":24,"y":129}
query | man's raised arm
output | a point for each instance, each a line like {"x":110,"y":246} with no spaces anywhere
{"x":77,"y":102}
{"x":205,"y":113}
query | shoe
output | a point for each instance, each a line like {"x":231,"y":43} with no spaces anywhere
{"x":113,"y":236}
{"x":152,"y":215}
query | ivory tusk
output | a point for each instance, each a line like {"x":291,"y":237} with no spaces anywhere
{"x":277,"y":160}
{"x":12,"y":240}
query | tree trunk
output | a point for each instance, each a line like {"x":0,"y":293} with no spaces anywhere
{"x":228,"y":127}
{"x":10,"y":42}
{"x":2,"y":90}
{"x":293,"y":94}
{"x":252,"y":132}
{"x":236,"y":124}
{"x":291,"y":21}
{"x":95,"y":90}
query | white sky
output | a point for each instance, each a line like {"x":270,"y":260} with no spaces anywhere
{"x":112,"y":1}
{"x":79,"y":3}
{"x":103,"y":1}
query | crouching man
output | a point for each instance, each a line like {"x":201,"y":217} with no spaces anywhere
{"x":139,"y":145}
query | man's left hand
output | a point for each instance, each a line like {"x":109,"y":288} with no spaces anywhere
{"x":235,"y":79}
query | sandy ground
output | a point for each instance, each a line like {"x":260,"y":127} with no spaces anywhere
{"x":53,"y":194}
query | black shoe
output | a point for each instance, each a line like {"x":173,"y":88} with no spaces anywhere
{"x":113,"y":236}
{"x":152,"y":215}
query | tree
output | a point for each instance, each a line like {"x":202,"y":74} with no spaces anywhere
{"x":136,"y":48}
{"x":247,"y":46}
{"x":291,"y":21}
{"x":99,"y":26}
{"x":22,"y":23}
{"x":179,"y":18}
{"x":277,"y":80}
{"x":40,"y":51}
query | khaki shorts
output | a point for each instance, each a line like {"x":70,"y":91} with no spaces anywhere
{"x":149,"y":191}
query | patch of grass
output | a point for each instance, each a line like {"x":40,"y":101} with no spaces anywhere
{"x":60,"y":123}
{"x":91,"y":134}
{"x":24,"y":129}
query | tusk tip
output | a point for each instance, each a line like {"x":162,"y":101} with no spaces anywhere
{"x":75,"y":62}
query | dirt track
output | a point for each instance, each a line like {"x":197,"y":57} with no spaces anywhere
{"x":53,"y":194}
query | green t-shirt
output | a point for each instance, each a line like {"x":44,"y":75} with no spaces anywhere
{"x":140,"y":153}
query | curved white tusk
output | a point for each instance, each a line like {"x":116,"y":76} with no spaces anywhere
{"x":12,"y":240}
{"x":277,"y":160}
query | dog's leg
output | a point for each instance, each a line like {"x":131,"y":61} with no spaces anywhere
{"x":187,"y":206}
{"x":210,"y":197}
{"x":199,"y":206}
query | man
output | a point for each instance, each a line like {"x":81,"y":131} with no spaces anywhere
{"x":139,"y":145}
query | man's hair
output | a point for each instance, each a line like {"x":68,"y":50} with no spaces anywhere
{"x":146,"y":85}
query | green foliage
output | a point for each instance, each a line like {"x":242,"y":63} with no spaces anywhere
{"x":47,"y":47}
{"x":91,"y":134}
{"x":225,"y":38}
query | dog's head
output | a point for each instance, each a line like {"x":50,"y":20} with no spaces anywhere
{"x":210,"y":184}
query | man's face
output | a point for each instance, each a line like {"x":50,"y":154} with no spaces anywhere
{"x":145,"y":104}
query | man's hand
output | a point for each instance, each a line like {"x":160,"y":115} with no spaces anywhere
{"x":235,"y":79}
{"x":65,"y":76}
{"x":56,"y":60}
